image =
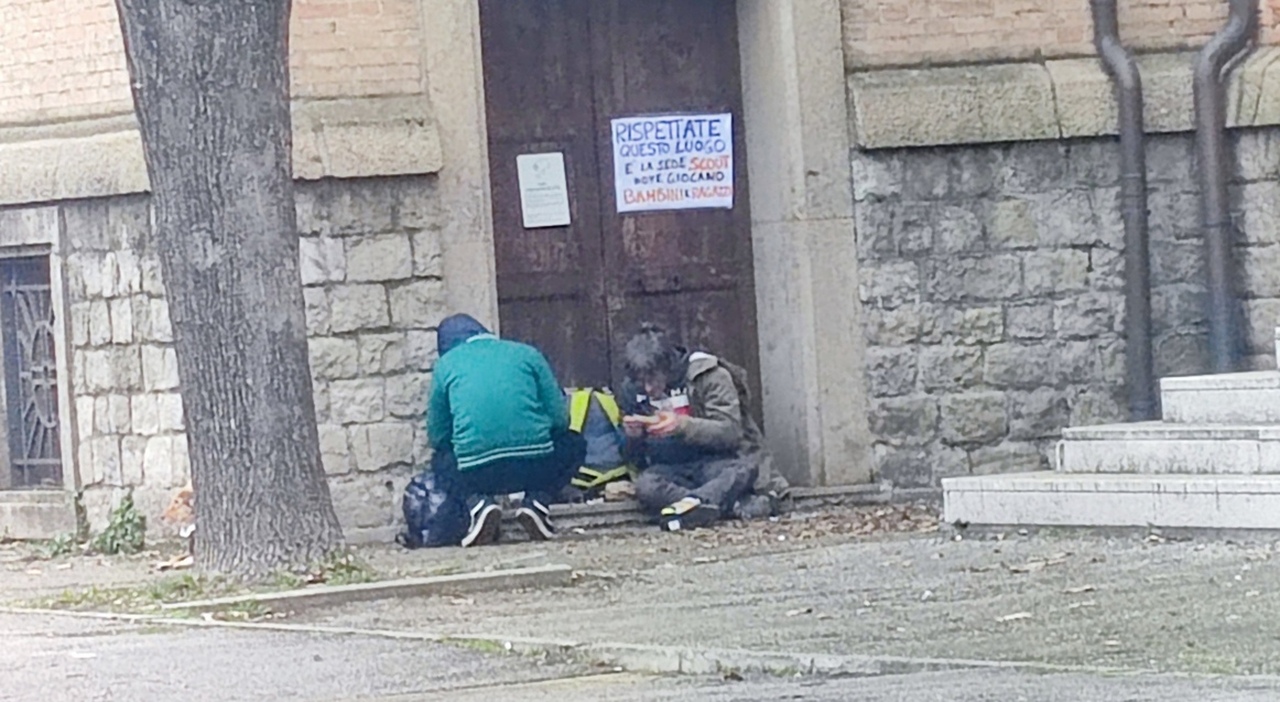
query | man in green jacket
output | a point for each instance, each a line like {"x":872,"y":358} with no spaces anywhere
{"x":498,"y":424}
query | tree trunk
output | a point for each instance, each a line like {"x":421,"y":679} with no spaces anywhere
{"x":211,"y":90}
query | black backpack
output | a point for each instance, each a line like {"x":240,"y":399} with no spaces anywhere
{"x":432,"y":517}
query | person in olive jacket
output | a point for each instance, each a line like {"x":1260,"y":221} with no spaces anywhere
{"x":498,"y":424}
{"x":690,"y":429}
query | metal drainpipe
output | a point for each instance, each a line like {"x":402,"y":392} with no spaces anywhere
{"x":1215,"y":206}
{"x":1123,"y":70}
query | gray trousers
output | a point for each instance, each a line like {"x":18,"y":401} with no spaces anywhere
{"x":716,"y":481}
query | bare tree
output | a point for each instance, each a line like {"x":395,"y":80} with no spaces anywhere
{"x":211,"y":90}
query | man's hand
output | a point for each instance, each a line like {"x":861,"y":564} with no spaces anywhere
{"x":635,"y":425}
{"x":668,"y":423}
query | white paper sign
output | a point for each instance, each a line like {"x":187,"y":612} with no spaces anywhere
{"x":673,"y":162}
{"x":544,"y":191}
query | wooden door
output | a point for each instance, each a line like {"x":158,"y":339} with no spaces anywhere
{"x":690,"y":270}
{"x":556,"y":73}
{"x":539,"y":99}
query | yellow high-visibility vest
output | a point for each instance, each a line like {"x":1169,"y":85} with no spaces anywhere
{"x":579,"y":404}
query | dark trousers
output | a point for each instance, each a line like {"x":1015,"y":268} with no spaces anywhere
{"x":540,"y":478}
{"x":715,"y":481}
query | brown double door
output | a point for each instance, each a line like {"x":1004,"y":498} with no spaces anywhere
{"x":556,"y":73}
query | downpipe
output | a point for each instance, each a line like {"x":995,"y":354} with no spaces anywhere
{"x":1123,"y":70}
{"x":1224,"y":48}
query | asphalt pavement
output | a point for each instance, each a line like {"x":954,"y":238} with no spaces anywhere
{"x":58,"y":658}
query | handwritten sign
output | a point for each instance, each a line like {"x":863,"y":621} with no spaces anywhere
{"x":673,"y":162}
{"x":544,"y":191}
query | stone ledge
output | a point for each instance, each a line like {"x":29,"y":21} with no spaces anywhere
{"x":603,"y":515}
{"x":349,"y":138}
{"x":1058,"y":99}
{"x":1230,"y":398}
{"x":36,"y":514}
{"x":1231,"y":502}
{"x":332,"y":595}
{"x":627,"y":513}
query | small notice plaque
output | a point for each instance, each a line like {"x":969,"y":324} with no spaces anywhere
{"x":544,"y":190}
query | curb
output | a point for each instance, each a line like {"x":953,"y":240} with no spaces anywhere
{"x":330,"y":595}
{"x":635,"y":658}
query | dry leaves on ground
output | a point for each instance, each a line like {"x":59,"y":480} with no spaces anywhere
{"x":1039,"y":564}
{"x":841,"y":523}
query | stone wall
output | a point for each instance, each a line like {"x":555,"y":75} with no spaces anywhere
{"x":370,"y":261}
{"x":992,"y":282}
{"x":124,"y":377}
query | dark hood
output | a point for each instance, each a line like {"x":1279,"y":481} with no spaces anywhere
{"x":454,"y":331}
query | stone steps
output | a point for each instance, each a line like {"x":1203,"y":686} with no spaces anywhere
{"x":1234,"y":398}
{"x":1243,"y":502}
{"x":1158,"y":448}
{"x":1213,"y":462}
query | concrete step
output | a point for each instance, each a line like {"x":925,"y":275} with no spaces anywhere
{"x":1160,"y":448}
{"x":1244,"y":502}
{"x":36,"y":514}
{"x":1231,"y":398}
{"x":627,"y":513}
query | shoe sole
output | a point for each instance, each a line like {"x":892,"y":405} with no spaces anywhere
{"x":696,"y":518}
{"x":490,"y":527}
{"x":534,"y":524}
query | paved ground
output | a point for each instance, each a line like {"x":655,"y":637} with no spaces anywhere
{"x":26,"y":573}
{"x":843,"y":583}
{"x":52,"y":658}
{"x":1205,"y":607}
{"x":938,"y":687}
{"x":48,"y":658}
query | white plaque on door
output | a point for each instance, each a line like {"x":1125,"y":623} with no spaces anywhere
{"x":544,"y":190}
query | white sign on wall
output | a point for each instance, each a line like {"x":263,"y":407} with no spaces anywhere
{"x":544,"y":190}
{"x":673,"y":162}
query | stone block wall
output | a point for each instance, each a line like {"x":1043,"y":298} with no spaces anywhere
{"x":992,"y":282}
{"x":124,"y":375}
{"x":374,"y":288}
{"x":370,"y":264}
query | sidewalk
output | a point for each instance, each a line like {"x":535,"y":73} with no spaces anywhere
{"x":872,"y":582}
{"x":26,"y":574}
{"x":1206,"y":607}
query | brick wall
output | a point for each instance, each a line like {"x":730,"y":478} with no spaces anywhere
{"x":909,"y":32}
{"x":992,"y":279}
{"x":63,"y":59}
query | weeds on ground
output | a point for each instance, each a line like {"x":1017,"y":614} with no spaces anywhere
{"x":149,"y":597}
{"x":125,"y":533}
{"x":58,"y":546}
{"x":1208,"y":663}
{"x":342,"y":567}
{"x":479,"y":645}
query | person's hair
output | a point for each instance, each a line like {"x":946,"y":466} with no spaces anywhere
{"x":651,"y":351}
